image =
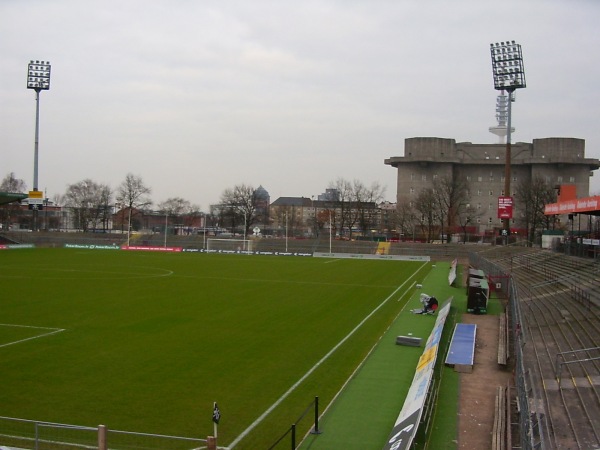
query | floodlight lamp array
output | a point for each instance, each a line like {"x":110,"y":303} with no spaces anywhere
{"x":38,"y":75}
{"x":507,"y":65}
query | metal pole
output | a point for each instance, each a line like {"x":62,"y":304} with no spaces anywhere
{"x":38,"y":79}
{"x":330,"y":225}
{"x":166,"y":226}
{"x":36,"y":155}
{"x":316,"y":428}
{"x":293,"y":436}
{"x":129,"y":227}
{"x":286,"y":232}
{"x":508,"y":162}
{"x":37,"y":140}
{"x":204,"y":234}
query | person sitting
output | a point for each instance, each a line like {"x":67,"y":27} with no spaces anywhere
{"x":430,"y":305}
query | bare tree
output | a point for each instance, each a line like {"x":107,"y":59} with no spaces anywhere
{"x":133,"y":195}
{"x":343,"y":205}
{"x":366,"y":201}
{"x":89,"y":202}
{"x":191,"y":213}
{"x":174,"y":206}
{"x":466,"y":216}
{"x":325,"y":217}
{"x":10,"y":183}
{"x":106,"y":201}
{"x":180,"y":209}
{"x":450,"y":196}
{"x":532,"y":196}
{"x":426,"y":206}
{"x":291,"y":217}
{"x":406,"y":220}
{"x":240,"y":206}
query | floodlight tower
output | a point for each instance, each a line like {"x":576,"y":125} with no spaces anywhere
{"x":509,"y":75}
{"x":38,"y":79}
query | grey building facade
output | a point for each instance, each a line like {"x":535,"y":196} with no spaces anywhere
{"x":556,"y":160}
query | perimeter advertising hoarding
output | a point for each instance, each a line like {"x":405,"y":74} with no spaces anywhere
{"x":580,"y":205}
{"x":407,"y":422}
{"x":151,"y":248}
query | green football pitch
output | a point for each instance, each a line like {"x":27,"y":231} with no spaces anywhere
{"x":146,"y":342}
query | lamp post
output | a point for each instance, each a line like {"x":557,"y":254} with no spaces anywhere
{"x":286,"y":232}
{"x":38,"y":79}
{"x":129,"y":227}
{"x":245,"y":226}
{"x":330,"y":231}
{"x":204,"y":233}
{"x":509,"y":75}
{"x":166,"y":225}
{"x":122,"y":206}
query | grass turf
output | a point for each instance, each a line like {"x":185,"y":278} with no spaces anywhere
{"x":151,"y":340}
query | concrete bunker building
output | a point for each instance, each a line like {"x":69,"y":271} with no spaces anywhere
{"x":556,"y":160}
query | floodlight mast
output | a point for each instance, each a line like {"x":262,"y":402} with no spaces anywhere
{"x":509,"y":75}
{"x":38,"y":79}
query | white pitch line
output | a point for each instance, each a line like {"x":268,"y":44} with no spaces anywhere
{"x":54,"y":331}
{"x":313,"y":368}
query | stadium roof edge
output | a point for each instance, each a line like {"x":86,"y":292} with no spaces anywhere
{"x":9,"y":197}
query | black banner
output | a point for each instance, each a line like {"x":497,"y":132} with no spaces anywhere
{"x":402,"y":434}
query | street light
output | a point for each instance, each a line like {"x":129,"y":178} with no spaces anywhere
{"x":286,"y":232}
{"x":38,"y":79}
{"x":129,"y":227}
{"x":121,"y":205}
{"x":204,"y":233}
{"x":166,"y":225}
{"x":330,"y":231}
{"x":509,"y":75}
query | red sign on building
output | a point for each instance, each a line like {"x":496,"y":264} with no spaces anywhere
{"x":505,"y":207}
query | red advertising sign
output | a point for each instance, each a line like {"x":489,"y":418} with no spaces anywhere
{"x":505,"y":207}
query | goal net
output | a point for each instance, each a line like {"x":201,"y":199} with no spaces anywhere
{"x":232,"y":245}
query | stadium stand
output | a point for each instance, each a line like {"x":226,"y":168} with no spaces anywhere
{"x":555,"y":331}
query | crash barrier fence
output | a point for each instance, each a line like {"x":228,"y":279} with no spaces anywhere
{"x":291,"y":431}
{"x":37,"y":435}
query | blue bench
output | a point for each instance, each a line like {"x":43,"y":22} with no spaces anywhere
{"x":461,"y":353}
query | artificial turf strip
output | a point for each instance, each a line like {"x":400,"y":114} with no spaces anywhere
{"x":364,"y":413}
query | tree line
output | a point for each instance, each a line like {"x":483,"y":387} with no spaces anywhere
{"x":92,"y":204}
{"x":447,"y":206}
{"x":436,"y":212}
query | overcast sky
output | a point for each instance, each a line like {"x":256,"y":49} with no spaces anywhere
{"x":198,"y":96}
